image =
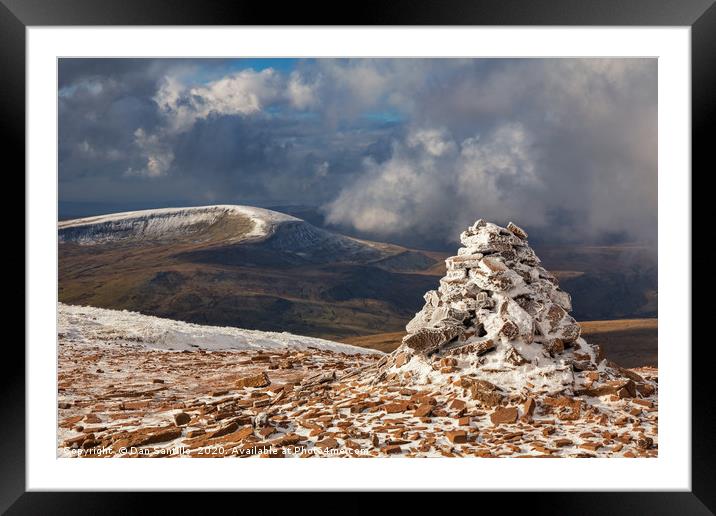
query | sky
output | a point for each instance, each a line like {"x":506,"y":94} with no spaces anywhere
{"x":400,"y":150}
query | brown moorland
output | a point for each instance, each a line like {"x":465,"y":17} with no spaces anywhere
{"x":629,"y":342}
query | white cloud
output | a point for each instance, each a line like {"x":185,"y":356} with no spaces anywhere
{"x":433,"y":184}
{"x":241,"y":93}
{"x":435,"y":142}
{"x":506,"y":153}
{"x":364,"y":80}
{"x":301,"y":95}
{"x":159,"y":156}
{"x":386,"y":199}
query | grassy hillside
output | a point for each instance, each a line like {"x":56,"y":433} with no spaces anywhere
{"x":199,"y":284}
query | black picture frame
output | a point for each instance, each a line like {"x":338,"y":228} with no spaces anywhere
{"x":700,"y":15}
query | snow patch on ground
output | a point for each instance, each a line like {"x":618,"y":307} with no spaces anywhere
{"x":94,"y":325}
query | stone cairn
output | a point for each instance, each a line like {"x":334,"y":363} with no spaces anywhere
{"x":499,"y":325}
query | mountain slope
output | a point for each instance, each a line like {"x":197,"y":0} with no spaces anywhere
{"x":226,"y":225}
{"x":240,"y":266}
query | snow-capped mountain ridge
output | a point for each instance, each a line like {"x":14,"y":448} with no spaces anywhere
{"x":222,"y":225}
{"x":251,"y":224}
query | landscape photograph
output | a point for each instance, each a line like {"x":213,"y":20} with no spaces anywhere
{"x":357,"y":258}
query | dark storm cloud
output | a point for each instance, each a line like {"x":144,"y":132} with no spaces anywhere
{"x":139,"y":75}
{"x":404,"y":149}
{"x":274,"y":159}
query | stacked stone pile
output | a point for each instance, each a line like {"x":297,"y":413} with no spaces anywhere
{"x":500,"y":323}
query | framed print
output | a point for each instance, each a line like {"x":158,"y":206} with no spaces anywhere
{"x":424,"y":237}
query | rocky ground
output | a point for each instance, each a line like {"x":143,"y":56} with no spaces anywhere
{"x":117,"y":398}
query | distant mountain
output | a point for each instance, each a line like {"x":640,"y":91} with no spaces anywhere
{"x":240,"y":266}
{"x":264,"y":232}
